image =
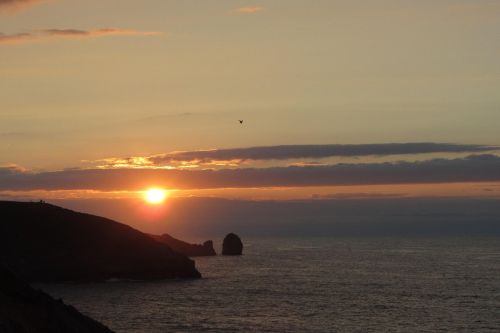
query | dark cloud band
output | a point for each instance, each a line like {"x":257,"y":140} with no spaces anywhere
{"x":474,"y":168}
{"x":316,"y":151}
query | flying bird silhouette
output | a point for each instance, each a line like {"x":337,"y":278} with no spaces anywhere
{"x":241,"y":121}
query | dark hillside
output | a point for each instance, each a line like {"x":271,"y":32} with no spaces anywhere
{"x":46,"y":243}
{"x":24,"y":309}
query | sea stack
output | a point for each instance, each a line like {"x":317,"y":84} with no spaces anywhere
{"x":232,"y":245}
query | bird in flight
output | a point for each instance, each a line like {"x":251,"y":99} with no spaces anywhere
{"x":241,"y":121}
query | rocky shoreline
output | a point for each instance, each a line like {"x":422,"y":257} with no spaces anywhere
{"x":44,"y":243}
{"x":187,"y":249}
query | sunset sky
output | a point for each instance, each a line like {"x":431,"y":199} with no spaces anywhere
{"x":104,"y":99}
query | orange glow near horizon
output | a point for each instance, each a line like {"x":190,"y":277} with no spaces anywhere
{"x":155,"y":196}
{"x":472,"y":190}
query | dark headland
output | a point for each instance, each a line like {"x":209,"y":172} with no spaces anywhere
{"x":187,"y":249}
{"x":24,"y":309}
{"x":45,"y":243}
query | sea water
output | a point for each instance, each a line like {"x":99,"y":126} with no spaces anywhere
{"x":313,"y":285}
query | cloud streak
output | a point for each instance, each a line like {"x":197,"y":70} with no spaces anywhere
{"x":14,"y":5}
{"x":288,"y":152}
{"x":474,"y":168}
{"x":249,"y":9}
{"x":51,"y":34}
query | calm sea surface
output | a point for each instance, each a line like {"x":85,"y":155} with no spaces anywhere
{"x":314,"y":285}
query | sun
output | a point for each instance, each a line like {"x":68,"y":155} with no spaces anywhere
{"x":155,"y":196}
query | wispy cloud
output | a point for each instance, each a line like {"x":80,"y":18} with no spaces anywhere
{"x":15,"y":38}
{"x":474,"y":168}
{"x":48,"y":34}
{"x":11,"y":134}
{"x":10,"y":6}
{"x":97,"y":32}
{"x":249,"y":9}
{"x":157,"y":117}
{"x":360,"y":195}
{"x":236,"y":156}
{"x":11,"y":169}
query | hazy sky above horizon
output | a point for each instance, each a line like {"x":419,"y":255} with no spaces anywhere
{"x":94,"y":80}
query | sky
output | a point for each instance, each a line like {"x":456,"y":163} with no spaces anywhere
{"x":104,"y":99}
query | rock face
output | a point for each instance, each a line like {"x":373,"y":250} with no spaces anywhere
{"x":24,"y":309}
{"x":232,"y":245}
{"x":190,"y":250}
{"x":45,"y":243}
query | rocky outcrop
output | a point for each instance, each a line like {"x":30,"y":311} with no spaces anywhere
{"x":187,"y":249}
{"x":232,"y":245}
{"x":24,"y":309}
{"x":45,"y":243}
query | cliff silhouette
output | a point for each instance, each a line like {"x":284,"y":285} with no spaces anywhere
{"x":24,"y":309}
{"x":190,"y":250}
{"x":44,"y":243}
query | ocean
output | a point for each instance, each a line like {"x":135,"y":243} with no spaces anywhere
{"x":313,"y":285}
